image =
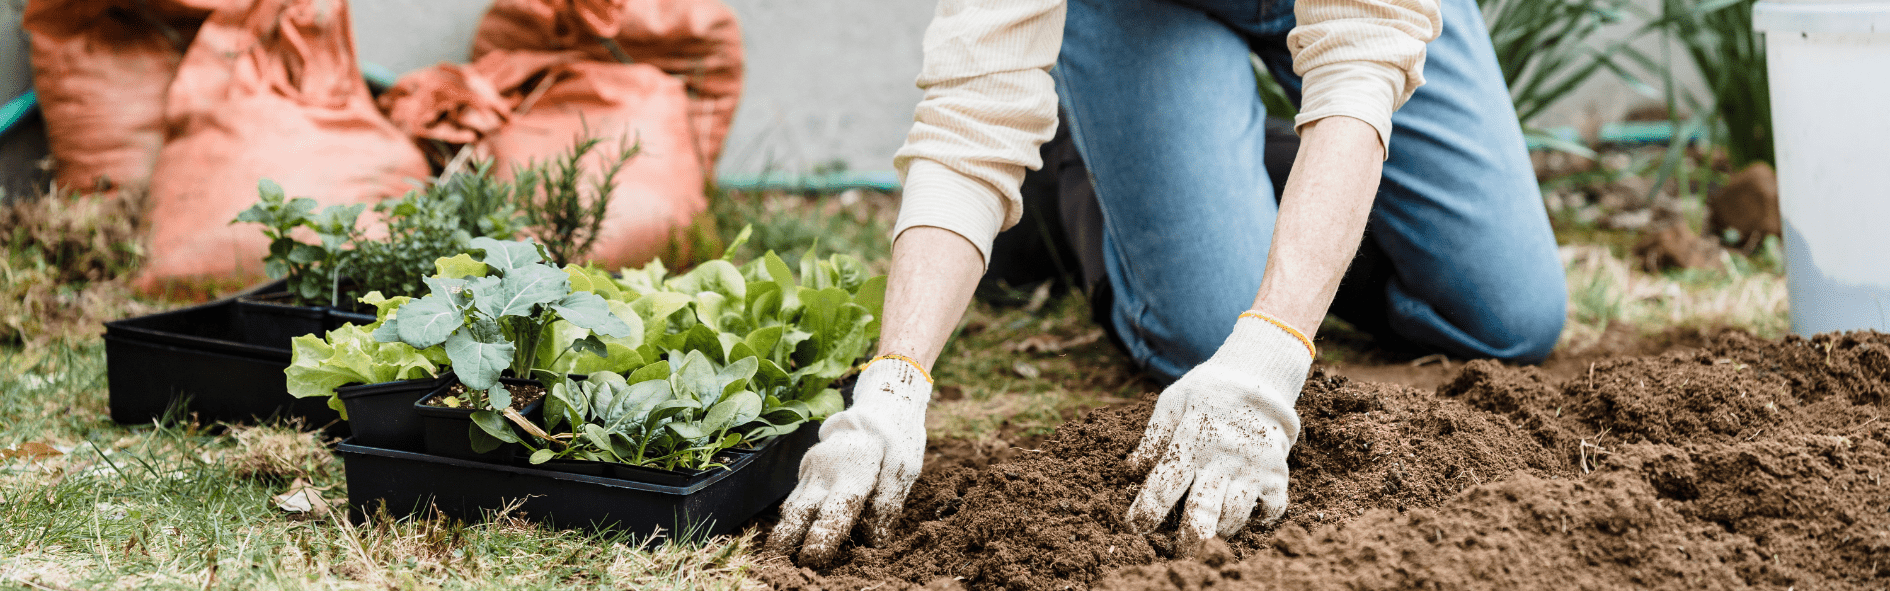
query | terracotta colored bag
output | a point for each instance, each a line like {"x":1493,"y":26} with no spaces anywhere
{"x":449,"y":102}
{"x":699,"y":41}
{"x":659,"y":192}
{"x":101,"y":68}
{"x":266,"y":91}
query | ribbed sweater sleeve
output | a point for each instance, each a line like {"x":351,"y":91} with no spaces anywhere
{"x":989,"y":104}
{"x":989,"y":101}
{"x":1360,"y":58}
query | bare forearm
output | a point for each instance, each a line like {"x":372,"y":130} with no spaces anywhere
{"x":934,"y":273}
{"x":1322,"y":218}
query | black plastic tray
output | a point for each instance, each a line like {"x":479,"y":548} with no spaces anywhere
{"x":225,"y":357}
{"x":714,"y":503}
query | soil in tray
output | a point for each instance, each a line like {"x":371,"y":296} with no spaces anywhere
{"x":1741,"y":463}
{"x":523,"y":394}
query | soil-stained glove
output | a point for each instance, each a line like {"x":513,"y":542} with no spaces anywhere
{"x":1221,"y":434}
{"x":867,"y":459}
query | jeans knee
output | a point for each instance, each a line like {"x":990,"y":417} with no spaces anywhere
{"x":1533,"y":329}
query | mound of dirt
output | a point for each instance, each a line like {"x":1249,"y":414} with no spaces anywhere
{"x":1745,"y":463}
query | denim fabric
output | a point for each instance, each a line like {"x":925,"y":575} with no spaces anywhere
{"x":1160,"y":98}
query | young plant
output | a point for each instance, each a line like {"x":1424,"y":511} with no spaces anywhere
{"x":562,"y":209}
{"x":661,"y":417}
{"x":422,"y":226}
{"x":490,"y":314}
{"x":351,"y":355}
{"x":312,"y":269}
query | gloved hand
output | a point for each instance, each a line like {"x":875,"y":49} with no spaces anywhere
{"x":873,"y":448}
{"x":1221,"y":434}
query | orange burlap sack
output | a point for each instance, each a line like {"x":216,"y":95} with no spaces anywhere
{"x":699,"y":41}
{"x":270,"y":90}
{"x":659,"y":192}
{"x":101,"y":68}
{"x":450,"y":103}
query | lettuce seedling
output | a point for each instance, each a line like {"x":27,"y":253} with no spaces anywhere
{"x":658,"y":416}
{"x":351,"y":355}
{"x":490,"y":314}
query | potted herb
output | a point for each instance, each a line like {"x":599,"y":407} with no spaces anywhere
{"x":489,"y":316}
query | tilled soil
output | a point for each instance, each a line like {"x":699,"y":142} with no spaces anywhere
{"x":1742,"y":463}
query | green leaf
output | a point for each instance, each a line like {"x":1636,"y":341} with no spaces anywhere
{"x":702,"y":339}
{"x":778,"y":272}
{"x":303,"y":254}
{"x":428,"y":321}
{"x":826,"y":403}
{"x":478,"y":364}
{"x":587,"y":310}
{"x":309,"y":375}
{"x":637,"y":401}
{"x":740,"y":408}
{"x":717,"y":276}
{"x":506,"y":255}
{"x":696,"y":378}
{"x":740,"y":239}
{"x":616,"y":358}
{"x":849,"y":272}
{"x":709,"y":307}
{"x":689,"y":430}
{"x":494,"y":425}
{"x":498,"y":397}
{"x":521,"y":289}
{"x":270,"y":191}
{"x":591,"y":345}
{"x":872,"y":296}
{"x":459,"y":266}
{"x":541,"y":456}
{"x":764,"y":304}
{"x":384,"y":307}
{"x":763,"y":340}
{"x":658,"y":370}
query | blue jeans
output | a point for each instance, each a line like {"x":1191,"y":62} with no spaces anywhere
{"x":1160,"y":99}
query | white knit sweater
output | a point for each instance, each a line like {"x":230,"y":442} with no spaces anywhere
{"x":989,"y":102}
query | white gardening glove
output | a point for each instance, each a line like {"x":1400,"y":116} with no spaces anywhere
{"x":1221,"y":434}
{"x":873,"y":448}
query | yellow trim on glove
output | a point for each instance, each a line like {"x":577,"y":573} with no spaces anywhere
{"x":909,"y":360}
{"x":1289,"y":330}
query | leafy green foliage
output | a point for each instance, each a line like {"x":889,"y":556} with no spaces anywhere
{"x":352,"y":355}
{"x":312,"y":269}
{"x":720,"y":356}
{"x":492,"y":319}
{"x":1545,"y":52}
{"x":423,"y":226}
{"x":659,"y":416}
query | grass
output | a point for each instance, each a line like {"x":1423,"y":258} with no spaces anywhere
{"x":179,"y":505}
{"x":1606,"y":291}
{"x":185,"y":506}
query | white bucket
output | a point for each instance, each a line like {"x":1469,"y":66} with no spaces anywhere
{"x":1829,"y":65}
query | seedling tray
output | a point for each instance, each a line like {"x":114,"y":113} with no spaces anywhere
{"x":713,"y":503}
{"x":225,"y":358}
